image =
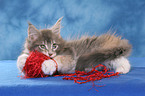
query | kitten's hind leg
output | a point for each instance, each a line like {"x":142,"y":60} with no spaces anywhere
{"x":120,"y":65}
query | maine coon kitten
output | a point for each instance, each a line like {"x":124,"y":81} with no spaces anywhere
{"x":80,"y":54}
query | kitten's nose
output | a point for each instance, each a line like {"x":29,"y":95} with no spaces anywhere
{"x":50,"y":54}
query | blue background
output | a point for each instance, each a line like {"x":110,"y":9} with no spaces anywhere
{"x":126,"y":17}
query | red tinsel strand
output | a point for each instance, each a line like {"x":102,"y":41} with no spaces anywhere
{"x":32,"y":69}
{"x":81,"y":77}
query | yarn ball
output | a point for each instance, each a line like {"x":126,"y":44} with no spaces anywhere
{"x":32,"y":68}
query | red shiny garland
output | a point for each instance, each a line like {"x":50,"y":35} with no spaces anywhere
{"x":32,"y":69}
{"x":81,"y":77}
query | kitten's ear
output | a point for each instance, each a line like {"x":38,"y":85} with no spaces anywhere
{"x":56,"y":28}
{"x":33,"y":32}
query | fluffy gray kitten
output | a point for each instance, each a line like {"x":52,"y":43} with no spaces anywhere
{"x":81,"y":54}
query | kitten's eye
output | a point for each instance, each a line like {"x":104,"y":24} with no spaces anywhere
{"x":42,"y":46}
{"x":54,"y":46}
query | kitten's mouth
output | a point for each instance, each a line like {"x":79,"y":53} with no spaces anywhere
{"x":52,"y":55}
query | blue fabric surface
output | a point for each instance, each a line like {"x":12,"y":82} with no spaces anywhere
{"x":131,"y":84}
{"x":95,"y":17}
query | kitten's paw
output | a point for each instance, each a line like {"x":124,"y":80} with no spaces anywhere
{"x":21,"y":61}
{"x":48,"y":67}
{"x":120,"y":65}
{"x":123,"y":68}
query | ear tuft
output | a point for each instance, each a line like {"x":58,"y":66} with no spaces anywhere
{"x":29,"y":23}
{"x":56,"y":28}
{"x":33,"y":32}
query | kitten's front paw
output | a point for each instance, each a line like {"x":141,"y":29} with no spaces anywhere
{"x":21,"y":61}
{"x":48,"y":67}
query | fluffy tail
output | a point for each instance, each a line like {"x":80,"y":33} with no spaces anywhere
{"x":99,"y":56}
{"x":110,"y":54}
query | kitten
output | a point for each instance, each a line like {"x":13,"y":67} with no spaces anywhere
{"x":81,"y":54}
